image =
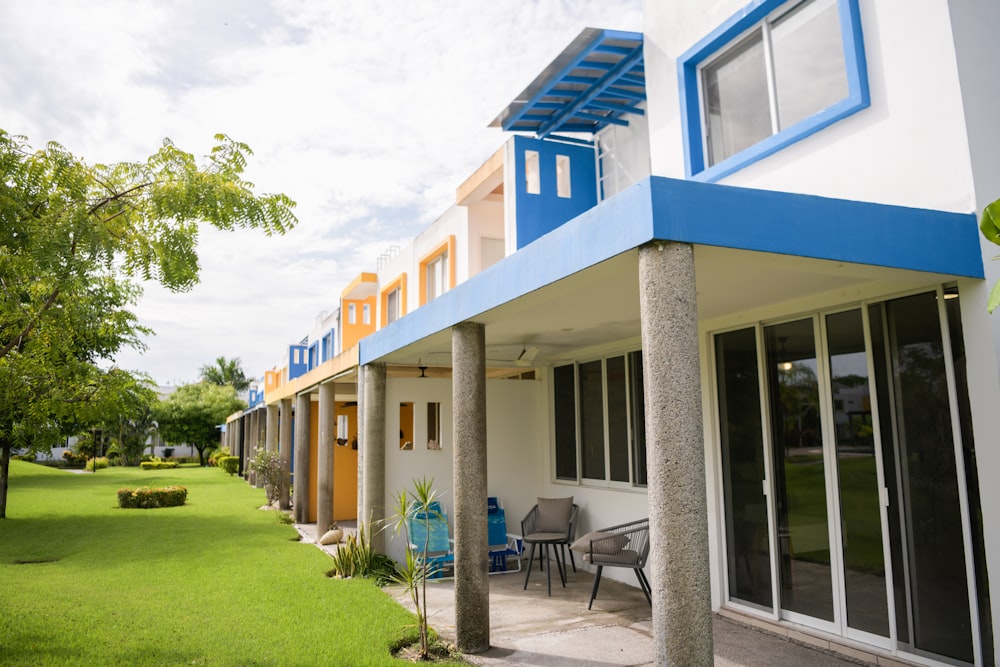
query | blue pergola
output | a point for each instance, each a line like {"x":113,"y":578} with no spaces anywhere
{"x":595,"y":82}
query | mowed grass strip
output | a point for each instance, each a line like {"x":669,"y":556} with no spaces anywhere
{"x":215,"y":582}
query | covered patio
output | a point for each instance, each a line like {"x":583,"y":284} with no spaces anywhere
{"x":527,"y":627}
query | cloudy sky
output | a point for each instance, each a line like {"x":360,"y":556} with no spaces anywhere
{"x":368,"y":114}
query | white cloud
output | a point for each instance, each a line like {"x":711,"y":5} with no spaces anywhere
{"x":368,"y":114}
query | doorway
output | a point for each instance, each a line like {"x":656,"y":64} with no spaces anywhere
{"x":842,"y":476}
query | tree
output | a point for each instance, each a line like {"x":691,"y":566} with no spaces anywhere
{"x":990,"y":227}
{"x":74,"y":240}
{"x":226,"y":371}
{"x":192,"y":414}
{"x":124,"y":410}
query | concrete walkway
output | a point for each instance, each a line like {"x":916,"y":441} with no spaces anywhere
{"x":529,"y":628}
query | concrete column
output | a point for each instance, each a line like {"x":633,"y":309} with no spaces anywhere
{"x":675,"y":456}
{"x":237,"y":449}
{"x":372,"y":448}
{"x":271,"y":429}
{"x":258,"y":443}
{"x":300,"y":486}
{"x":285,"y":451}
{"x":324,"y":456}
{"x":468,"y":388}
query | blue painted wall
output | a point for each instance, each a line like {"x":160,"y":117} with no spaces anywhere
{"x":295,"y":369}
{"x":539,"y":214}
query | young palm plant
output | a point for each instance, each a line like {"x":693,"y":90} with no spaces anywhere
{"x":418,"y":505}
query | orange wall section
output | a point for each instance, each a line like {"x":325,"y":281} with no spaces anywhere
{"x":352,"y":333}
{"x":345,"y":469}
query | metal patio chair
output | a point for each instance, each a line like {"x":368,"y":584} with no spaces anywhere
{"x":550,"y":523}
{"x":624,"y":545}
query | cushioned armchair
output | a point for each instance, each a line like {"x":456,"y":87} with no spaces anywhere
{"x":550,"y":523}
{"x":624,"y":545}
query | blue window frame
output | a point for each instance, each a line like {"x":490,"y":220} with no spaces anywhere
{"x":732,"y":41}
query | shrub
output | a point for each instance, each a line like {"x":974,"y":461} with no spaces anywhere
{"x":158,"y":465}
{"x":30,"y":458}
{"x":147,"y":457}
{"x":231,"y":464}
{"x":267,"y":466}
{"x":74,"y":459}
{"x":147,"y":498}
{"x":99,"y":463}
{"x":213,"y":455}
{"x":355,"y":558}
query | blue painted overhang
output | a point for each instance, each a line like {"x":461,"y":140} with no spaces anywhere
{"x":594,"y":82}
{"x":709,"y":214}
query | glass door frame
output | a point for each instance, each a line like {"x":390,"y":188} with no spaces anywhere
{"x":831,"y":474}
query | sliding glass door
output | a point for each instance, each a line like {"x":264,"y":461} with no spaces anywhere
{"x":843,"y":495}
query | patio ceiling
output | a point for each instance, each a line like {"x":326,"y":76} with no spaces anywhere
{"x":585,"y":313}
{"x":596,"y":81}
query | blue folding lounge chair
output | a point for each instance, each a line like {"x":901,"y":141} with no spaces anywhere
{"x":501,"y":544}
{"x":432,"y":529}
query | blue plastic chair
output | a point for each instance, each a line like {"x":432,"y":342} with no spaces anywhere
{"x":501,"y":544}
{"x":432,"y":528}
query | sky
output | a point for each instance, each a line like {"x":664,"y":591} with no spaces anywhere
{"x":368,"y":114}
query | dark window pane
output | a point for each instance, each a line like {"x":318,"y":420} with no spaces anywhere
{"x":932,"y":522}
{"x":564,"y":383}
{"x":617,"y":419}
{"x":592,"y":419}
{"x":749,"y":554}
{"x":954,"y":312}
{"x":860,"y":507}
{"x":638,"y":404}
{"x":800,"y":478}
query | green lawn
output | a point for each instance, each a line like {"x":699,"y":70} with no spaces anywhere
{"x":216,"y":582}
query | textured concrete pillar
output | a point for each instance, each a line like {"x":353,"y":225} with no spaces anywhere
{"x":271,"y":429}
{"x":258,"y":443}
{"x":372,"y":447}
{"x":237,"y":449}
{"x":285,"y":422}
{"x":300,"y":485}
{"x":324,"y":458}
{"x":468,"y":389}
{"x":675,"y":456}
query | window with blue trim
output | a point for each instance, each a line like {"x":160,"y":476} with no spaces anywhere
{"x":775,"y":73}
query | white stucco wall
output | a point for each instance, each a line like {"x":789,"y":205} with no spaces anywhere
{"x":515,"y":458}
{"x":929,"y":139}
{"x":908,"y":148}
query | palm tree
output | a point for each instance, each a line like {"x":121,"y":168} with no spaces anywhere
{"x":226,"y":372}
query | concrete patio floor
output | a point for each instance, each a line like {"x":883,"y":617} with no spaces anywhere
{"x":527,"y":627}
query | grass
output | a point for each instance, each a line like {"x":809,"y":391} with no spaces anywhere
{"x":215,"y":582}
{"x":806,"y":483}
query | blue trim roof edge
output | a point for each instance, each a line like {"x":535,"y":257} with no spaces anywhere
{"x":667,"y":209}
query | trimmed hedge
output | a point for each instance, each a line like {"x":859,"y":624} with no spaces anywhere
{"x":147,"y":498}
{"x":231,"y":464}
{"x":157,"y":465}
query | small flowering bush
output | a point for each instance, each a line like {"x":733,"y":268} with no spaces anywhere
{"x":267,"y":466}
{"x":147,"y":498}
